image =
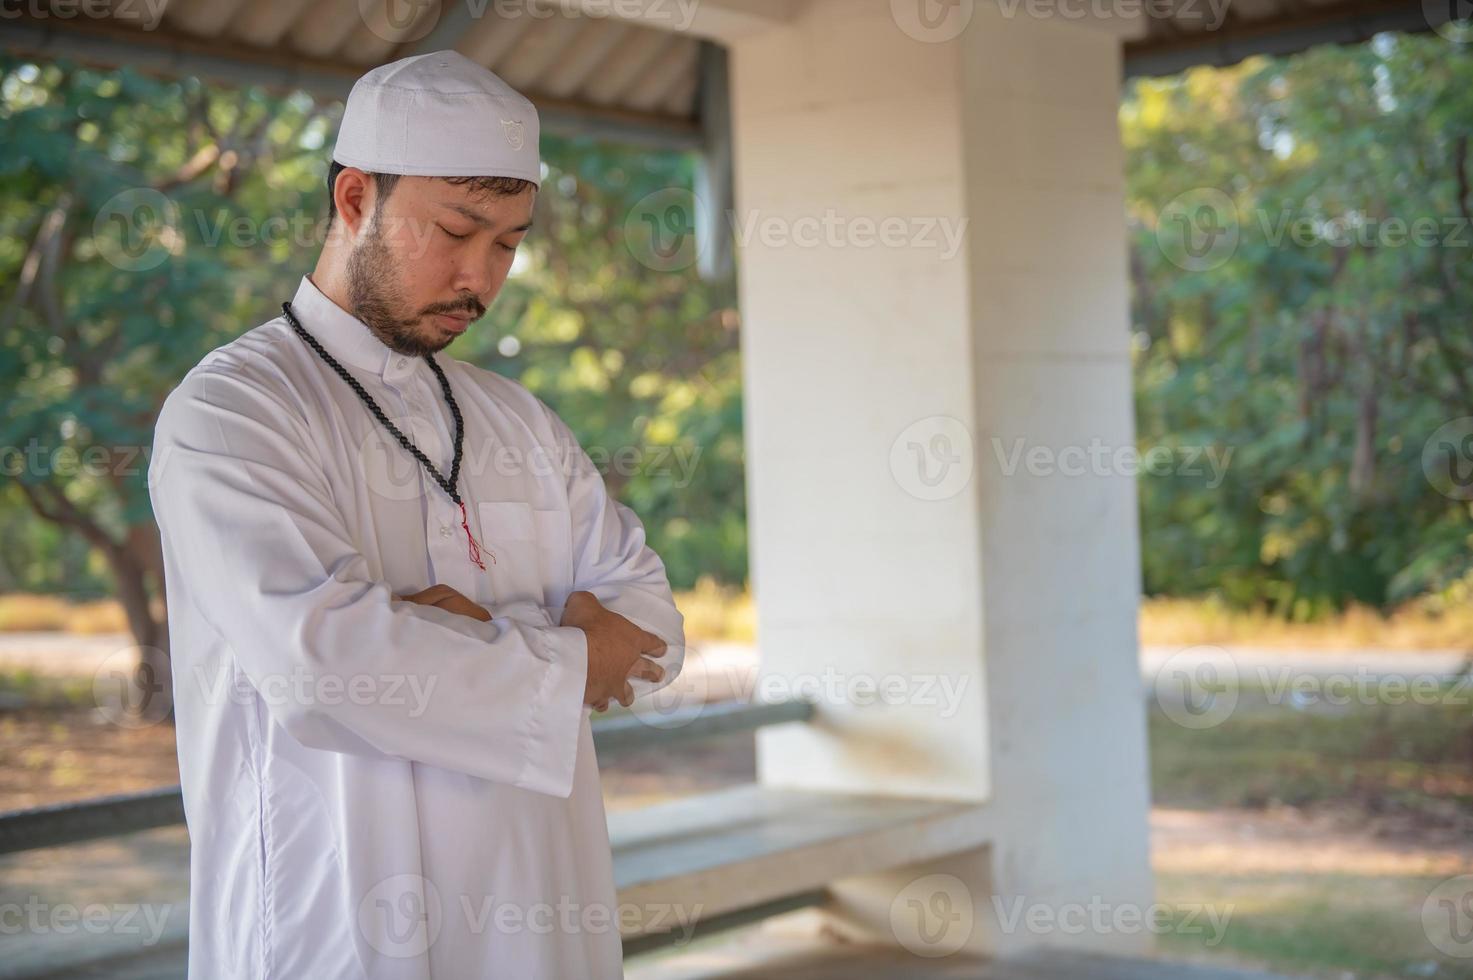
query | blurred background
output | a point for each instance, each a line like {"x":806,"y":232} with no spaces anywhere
{"x":1300,"y":347}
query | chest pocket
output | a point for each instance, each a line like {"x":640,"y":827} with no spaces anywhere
{"x":533,"y":551}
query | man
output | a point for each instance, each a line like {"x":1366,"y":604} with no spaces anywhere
{"x":397,"y":588}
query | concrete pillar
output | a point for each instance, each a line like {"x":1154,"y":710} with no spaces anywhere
{"x":944,"y":538}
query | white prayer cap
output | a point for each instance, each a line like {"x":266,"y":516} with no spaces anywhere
{"x":439,"y":115}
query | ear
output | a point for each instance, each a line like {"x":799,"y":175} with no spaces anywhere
{"x":352,"y":195}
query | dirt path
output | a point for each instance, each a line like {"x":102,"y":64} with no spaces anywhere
{"x":1285,"y":840}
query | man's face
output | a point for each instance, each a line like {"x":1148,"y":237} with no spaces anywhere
{"x":432,"y":260}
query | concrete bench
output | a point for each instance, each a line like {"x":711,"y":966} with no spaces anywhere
{"x":746,"y":853}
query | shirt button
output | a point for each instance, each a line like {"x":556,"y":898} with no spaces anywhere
{"x":400,"y":362}
{"x":444,"y":530}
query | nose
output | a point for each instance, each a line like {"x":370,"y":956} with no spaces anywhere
{"x":474,"y":275}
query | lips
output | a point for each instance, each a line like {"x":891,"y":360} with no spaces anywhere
{"x":455,"y":324}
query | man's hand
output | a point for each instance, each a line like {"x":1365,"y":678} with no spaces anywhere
{"x":450,"y":600}
{"x":617,"y":651}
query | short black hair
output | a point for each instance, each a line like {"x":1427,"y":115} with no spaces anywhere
{"x":384,"y":185}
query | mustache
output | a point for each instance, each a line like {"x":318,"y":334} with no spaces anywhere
{"x":472,"y":308}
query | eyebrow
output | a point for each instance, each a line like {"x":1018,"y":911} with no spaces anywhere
{"x":479,"y":218}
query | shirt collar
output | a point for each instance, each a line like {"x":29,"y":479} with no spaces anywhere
{"x":344,"y":336}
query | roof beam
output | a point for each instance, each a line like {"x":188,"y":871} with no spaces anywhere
{"x":717,"y":20}
{"x":169,"y":53}
{"x":1350,"y":23}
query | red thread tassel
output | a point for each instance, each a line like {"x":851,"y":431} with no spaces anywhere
{"x":475,"y":547}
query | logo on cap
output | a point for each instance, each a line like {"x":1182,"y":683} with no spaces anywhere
{"x":515,"y":132}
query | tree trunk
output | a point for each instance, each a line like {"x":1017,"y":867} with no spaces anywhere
{"x":152,"y":684}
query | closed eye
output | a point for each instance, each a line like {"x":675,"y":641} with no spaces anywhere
{"x":453,"y":234}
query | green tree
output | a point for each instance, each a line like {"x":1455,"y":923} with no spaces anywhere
{"x":639,"y":355}
{"x":1323,"y":343}
{"x":127,"y":242}
{"x":145,"y":222}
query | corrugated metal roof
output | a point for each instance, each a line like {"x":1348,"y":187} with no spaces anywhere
{"x":1221,"y":32}
{"x":584,"y":71}
{"x":626,"y":77}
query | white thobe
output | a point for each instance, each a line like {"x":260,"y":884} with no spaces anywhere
{"x":373,"y":787}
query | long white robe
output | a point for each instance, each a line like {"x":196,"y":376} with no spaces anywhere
{"x":376,"y":788}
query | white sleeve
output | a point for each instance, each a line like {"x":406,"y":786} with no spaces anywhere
{"x":611,"y":559}
{"x":251,"y":523}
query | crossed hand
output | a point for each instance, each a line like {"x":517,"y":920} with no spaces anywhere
{"x":617,"y":649}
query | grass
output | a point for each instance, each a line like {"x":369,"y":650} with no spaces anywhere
{"x":1326,"y":925}
{"x":1395,"y":773}
{"x":712,"y":612}
{"x":21,"y":685}
{"x":727,"y":613}
{"x":715,"y":612}
{"x":1393,"y":779}
{"x":1382,"y":756}
{"x":28,"y":612}
{"x":1442,"y":622}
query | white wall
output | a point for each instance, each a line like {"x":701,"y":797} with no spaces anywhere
{"x":844,"y":346}
{"x":1015,"y":595}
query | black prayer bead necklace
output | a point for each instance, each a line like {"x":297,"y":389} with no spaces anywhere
{"x":448,"y":484}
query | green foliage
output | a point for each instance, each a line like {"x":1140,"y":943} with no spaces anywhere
{"x":1315,"y":359}
{"x":128,"y":250}
{"x":145,"y":222}
{"x":1329,"y":345}
{"x":642,"y":364}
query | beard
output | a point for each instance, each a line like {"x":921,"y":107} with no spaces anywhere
{"x":377,"y":298}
